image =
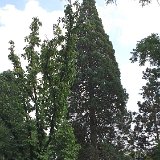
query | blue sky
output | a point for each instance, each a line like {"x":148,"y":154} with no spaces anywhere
{"x":125,"y":24}
{"x":49,"y":5}
{"x":20,"y":4}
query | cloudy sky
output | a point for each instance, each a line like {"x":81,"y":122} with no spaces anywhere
{"x":125,"y":23}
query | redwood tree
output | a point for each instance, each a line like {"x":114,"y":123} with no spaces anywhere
{"x":98,"y":100}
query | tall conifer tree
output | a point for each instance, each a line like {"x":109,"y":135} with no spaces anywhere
{"x":98,"y":98}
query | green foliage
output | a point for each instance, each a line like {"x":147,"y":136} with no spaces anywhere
{"x":12,"y":123}
{"x":147,"y":50}
{"x":109,"y":151}
{"x":156,"y":152}
{"x":7,"y":150}
{"x":64,"y":144}
{"x":106,"y":151}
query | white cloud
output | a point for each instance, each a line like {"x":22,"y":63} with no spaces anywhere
{"x":131,"y":79}
{"x":133,"y":21}
{"x":15,"y":26}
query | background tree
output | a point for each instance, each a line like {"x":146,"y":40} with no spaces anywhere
{"x":98,"y":100}
{"x":147,"y":53}
{"x":12,"y":124}
{"x":44,"y":86}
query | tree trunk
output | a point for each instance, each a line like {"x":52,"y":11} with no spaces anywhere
{"x":93,"y":125}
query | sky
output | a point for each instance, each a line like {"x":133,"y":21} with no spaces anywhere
{"x":125,"y":23}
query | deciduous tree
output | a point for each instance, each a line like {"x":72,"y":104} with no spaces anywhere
{"x":44,"y":85}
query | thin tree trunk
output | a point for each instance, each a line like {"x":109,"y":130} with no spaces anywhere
{"x":93,"y":125}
